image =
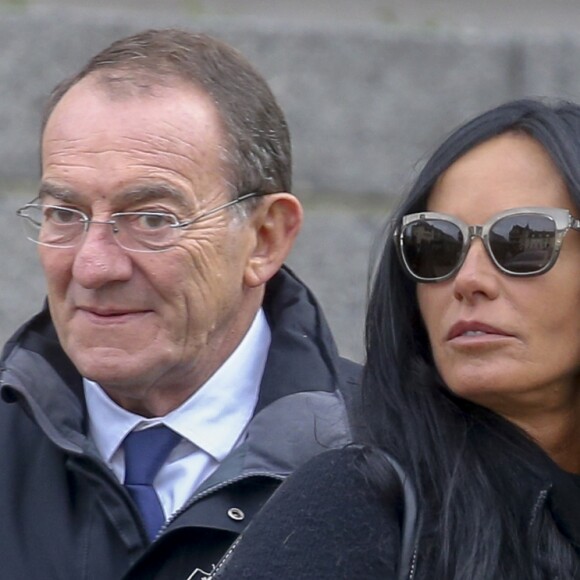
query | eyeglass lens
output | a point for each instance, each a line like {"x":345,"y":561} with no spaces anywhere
{"x":63,"y":227}
{"x":520,"y":244}
{"x":57,"y":226}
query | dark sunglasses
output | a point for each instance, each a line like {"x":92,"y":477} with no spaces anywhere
{"x":523,"y":241}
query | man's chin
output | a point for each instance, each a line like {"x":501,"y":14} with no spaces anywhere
{"x":109,"y":364}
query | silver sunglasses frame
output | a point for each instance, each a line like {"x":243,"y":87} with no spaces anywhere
{"x":562,"y":218}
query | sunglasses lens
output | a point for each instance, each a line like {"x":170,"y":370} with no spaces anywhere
{"x":524,"y":243}
{"x":431,"y":248}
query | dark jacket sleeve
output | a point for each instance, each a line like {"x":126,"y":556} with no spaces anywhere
{"x":323,"y":523}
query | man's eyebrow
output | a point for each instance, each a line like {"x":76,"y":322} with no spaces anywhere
{"x":59,"y":193}
{"x":132,"y":196}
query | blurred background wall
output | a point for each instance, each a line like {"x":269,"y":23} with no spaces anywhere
{"x":369,"y":88}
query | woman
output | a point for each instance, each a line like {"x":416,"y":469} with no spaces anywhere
{"x":472,"y":380}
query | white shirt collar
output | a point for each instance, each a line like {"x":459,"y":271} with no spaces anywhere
{"x":213,"y":419}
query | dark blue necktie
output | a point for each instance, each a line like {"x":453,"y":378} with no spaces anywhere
{"x":145,"y":452}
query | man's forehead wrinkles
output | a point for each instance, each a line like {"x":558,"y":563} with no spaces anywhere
{"x":156,"y":149}
{"x":169,"y":136}
{"x":64,"y":141}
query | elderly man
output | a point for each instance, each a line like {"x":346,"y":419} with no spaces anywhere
{"x":179,"y":372}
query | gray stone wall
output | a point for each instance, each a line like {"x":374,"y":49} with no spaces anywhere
{"x":364,"y":102}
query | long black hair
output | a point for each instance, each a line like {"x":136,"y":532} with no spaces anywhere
{"x":465,"y":460}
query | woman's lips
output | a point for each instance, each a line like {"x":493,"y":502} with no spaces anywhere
{"x":475,"y":330}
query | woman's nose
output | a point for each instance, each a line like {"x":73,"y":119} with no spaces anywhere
{"x":478,"y":275}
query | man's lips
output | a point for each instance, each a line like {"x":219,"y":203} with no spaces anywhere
{"x":110,"y":313}
{"x":469,"y":329}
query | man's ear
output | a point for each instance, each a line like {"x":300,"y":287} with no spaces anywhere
{"x":276,"y":222}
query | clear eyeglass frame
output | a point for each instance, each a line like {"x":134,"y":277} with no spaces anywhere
{"x":126,"y":226}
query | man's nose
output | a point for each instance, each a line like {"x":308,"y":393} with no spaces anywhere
{"x":99,"y":259}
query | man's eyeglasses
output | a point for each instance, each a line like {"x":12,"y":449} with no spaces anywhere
{"x":520,"y":242}
{"x":137,"y":231}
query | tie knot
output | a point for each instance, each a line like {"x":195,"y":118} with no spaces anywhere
{"x":146,"y":451}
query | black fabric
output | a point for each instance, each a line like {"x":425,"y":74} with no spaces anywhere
{"x":539,"y":484}
{"x":564,"y":503}
{"x":324,"y":523}
{"x":39,"y":336}
{"x":65,"y":516}
{"x":204,"y":536}
{"x":308,"y":336}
